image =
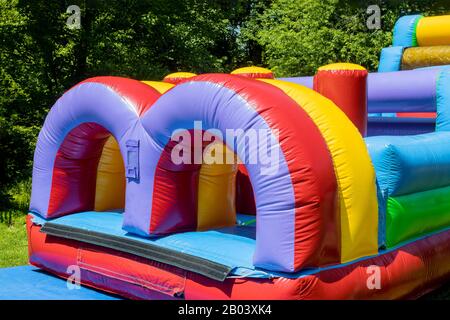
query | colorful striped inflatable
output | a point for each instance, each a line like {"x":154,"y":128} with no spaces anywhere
{"x":242,"y":186}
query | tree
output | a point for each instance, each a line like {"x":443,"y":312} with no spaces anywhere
{"x":298,"y":36}
{"x":40,"y":57}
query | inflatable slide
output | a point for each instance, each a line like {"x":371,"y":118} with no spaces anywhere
{"x":243,"y":186}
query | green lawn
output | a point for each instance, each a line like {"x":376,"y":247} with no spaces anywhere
{"x":13,"y":242}
{"x":13,"y":235}
{"x":13,"y":251}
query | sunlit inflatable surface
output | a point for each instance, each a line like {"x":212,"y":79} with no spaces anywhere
{"x":356,"y":192}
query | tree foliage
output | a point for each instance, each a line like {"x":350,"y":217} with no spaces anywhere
{"x":40,"y":57}
{"x":298,"y":36}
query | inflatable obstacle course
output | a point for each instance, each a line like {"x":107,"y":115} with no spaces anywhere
{"x":418,"y":41}
{"x":310,"y":218}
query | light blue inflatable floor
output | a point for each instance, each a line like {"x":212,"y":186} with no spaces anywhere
{"x":30,"y":283}
{"x":232,"y":246}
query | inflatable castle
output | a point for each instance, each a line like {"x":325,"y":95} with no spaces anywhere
{"x":345,"y":201}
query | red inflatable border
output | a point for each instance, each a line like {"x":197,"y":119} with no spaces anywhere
{"x":407,"y":272}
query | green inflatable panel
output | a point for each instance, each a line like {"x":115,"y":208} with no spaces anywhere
{"x":417,"y":214}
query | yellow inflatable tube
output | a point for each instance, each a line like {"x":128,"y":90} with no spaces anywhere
{"x":433,"y":31}
{"x":254,"y":72}
{"x":161,"y":87}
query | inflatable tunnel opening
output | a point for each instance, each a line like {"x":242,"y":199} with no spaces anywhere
{"x":88,"y":173}
{"x":84,"y":156}
{"x":194,"y":191}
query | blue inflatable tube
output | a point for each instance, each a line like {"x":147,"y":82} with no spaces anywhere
{"x":408,"y":164}
{"x":390,"y":59}
{"x":404,"y":33}
{"x":443,"y":101}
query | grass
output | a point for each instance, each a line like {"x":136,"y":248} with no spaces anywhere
{"x":13,"y":237}
{"x":13,"y":242}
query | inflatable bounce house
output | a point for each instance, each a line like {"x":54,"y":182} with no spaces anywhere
{"x":342,"y":215}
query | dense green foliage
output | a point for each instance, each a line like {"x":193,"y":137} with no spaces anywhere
{"x":40,"y":57}
{"x":298,"y":36}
